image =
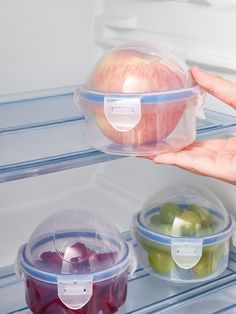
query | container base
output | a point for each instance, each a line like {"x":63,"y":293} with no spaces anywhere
{"x":142,"y":150}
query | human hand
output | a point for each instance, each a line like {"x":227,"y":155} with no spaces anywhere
{"x":214,"y":158}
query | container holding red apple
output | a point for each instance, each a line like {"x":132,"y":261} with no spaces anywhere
{"x":140,"y":99}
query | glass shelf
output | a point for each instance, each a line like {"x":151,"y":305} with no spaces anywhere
{"x":43,"y":132}
{"x":146,"y":294}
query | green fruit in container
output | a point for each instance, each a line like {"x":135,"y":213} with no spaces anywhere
{"x":206,"y":266}
{"x":165,"y":229}
{"x":162,"y":248}
{"x":160,"y":262}
{"x":168,"y":212}
{"x":203,"y":232}
{"x":149,"y":245}
{"x":211,"y":248}
{"x":219,"y":250}
{"x":188,"y":224}
{"x":145,"y":243}
{"x":154,"y":223}
{"x":205,"y":216}
{"x":155,"y":220}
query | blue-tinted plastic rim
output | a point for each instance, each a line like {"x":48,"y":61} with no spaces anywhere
{"x":145,"y":98}
{"x":41,"y":275}
{"x":167,"y":240}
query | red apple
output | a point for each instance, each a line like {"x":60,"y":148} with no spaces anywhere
{"x":132,"y":71}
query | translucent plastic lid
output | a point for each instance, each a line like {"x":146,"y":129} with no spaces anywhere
{"x":187,"y":212}
{"x":78,"y":242}
{"x":184,"y":220}
{"x":136,"y":74}
{"x":139,"y":67}
{"x":73,"y":250}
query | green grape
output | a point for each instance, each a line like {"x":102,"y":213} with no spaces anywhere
{"x":154,"y":223}
{"x":165,"y":229}
{"x":162,"y":248}
{"x":160,"y":262}
{"x":145,"y":243}
{"x":206,"y":266}
{"x":203,"y":232}
{"x":210,"y":248}
{"x":168,"y":212}
{"x":219,"y":250}
{"x":149,"y":245}
{"x":188,"y":222}
{"x":155,"y":220}
{"x":205,"y":216}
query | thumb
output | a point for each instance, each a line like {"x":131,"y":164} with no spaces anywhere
{"x":216,"y":86}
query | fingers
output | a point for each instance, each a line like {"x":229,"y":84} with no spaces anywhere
{"x":216,"y":86}
{"x":228,"y":145}
{"x":151,"y":157}
{"x":167,"y":159}
{"x":213,"y":145}
{"x":181,"y":159}
{"x":197,"y":161}
{"x":203,"y":146}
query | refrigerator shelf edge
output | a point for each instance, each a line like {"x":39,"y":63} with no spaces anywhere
{"x":35,"y":108}
{"x":53,"y":164}
{"x":45,"y":134}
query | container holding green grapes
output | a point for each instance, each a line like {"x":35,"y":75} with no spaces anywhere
{"x":183,"y":235}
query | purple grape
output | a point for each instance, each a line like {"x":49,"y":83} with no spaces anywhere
{"x":107,"y":297}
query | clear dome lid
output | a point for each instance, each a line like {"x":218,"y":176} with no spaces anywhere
{"x":187,"y":212}
{"x":76,"y":242}
{"x":139,"y":67}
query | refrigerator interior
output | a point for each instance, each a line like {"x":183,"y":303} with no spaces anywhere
{"x":46,"y":162}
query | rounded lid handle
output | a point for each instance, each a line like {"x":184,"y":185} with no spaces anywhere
{"x":74,"y":292}
{"x":122,"y":113}
{"x":186,"y":254}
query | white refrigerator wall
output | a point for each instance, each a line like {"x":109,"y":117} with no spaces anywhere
{"x":46,"y":43}
{"x":49,"y":44}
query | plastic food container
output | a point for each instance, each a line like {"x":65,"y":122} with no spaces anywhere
{"x":75,"y":262}
{"x":140,"y":99}
{"x":182,"y":235}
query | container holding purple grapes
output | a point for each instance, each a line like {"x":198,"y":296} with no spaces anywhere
{"x":75,"y":262}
